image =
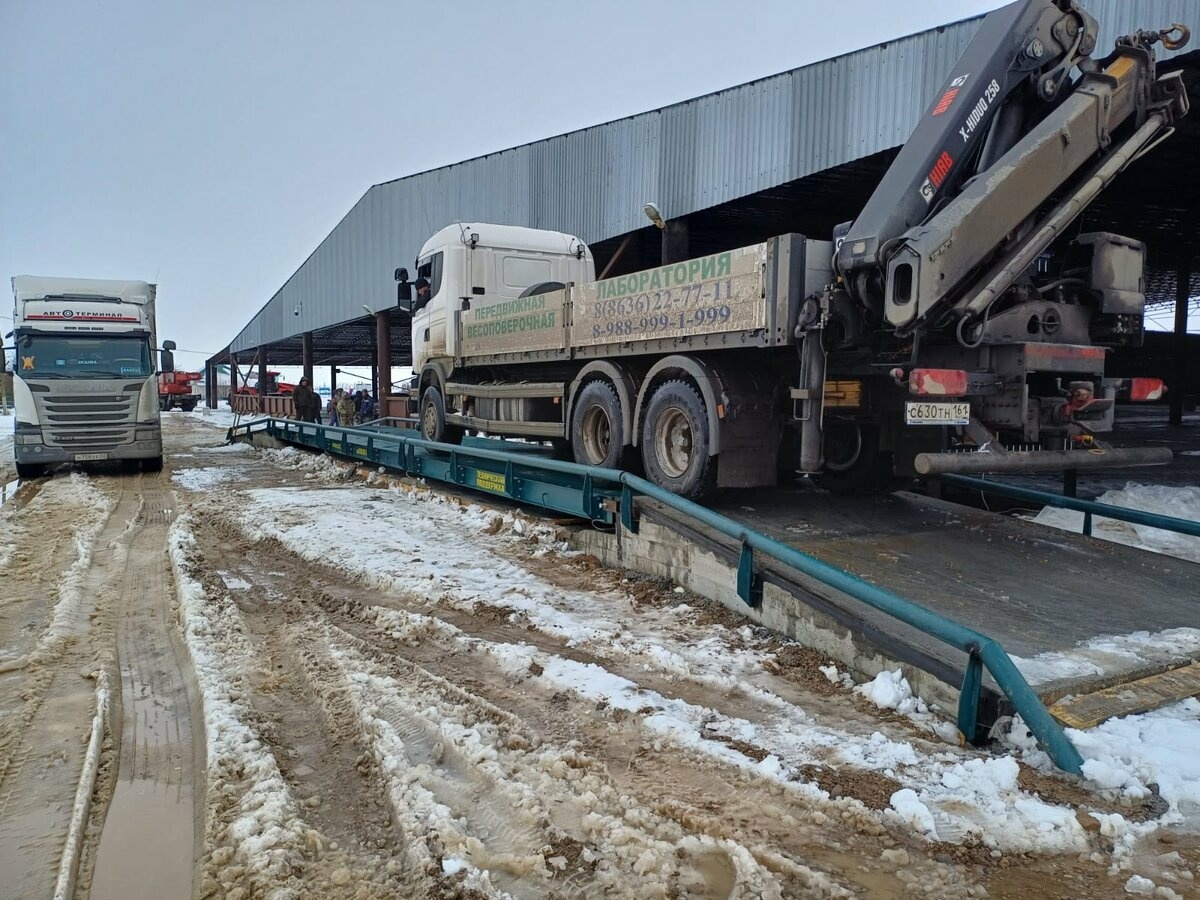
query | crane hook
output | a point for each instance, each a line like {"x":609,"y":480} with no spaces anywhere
{"x":1174,"y":43}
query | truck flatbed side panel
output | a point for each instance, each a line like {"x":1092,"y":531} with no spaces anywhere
{"x":510,"y":326}
{"x":721,"y":293}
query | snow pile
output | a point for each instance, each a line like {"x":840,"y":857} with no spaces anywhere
{"x":318,"y":466}
{"x":1108,"y":653}
{"x":1177,"y":502}
{"x":205,"y":478}
{"x":250,"y":807}
{"x":889,"y":690}
{"x":1158,"y":747}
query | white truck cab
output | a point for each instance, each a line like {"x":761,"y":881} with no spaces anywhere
{"x":472,"y":266}
{"x":84,"y":385}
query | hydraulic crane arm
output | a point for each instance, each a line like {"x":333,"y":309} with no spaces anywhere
{"x":952,"y":224}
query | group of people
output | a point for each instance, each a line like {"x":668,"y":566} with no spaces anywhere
{"x":345,"y":407}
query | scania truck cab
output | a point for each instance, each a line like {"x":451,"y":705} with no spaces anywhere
{"x":84,"y":384}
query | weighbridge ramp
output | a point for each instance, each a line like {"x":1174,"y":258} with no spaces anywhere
{"x":962,"y":600}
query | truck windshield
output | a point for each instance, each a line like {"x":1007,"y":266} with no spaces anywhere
{"x":99,"y":356}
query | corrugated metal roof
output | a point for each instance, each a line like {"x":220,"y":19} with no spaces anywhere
{"x":685,"y":157}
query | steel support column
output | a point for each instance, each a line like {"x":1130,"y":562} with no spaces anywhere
{"x":675,"y":241}
{"x":262,"y":379}
{"x":383,"y":355}
{"x":1183,"y":282}
{"x":306,"y":356}
{"x":332,"y":378}
{"x":210,"y":385}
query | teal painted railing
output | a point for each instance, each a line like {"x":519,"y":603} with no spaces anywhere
{"x":589,"y":491}
{"x":1089,"y":508}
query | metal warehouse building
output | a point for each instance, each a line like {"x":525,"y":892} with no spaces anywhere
{"x":798,"y":151}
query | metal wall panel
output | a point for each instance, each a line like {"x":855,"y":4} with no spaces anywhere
{"x":685,"y":157}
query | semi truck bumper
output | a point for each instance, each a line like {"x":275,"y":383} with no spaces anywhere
{"x":31,"y":448}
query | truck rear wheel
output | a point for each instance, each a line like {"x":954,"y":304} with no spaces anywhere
{"x":433,"y":419}
{"x":598,"y":427}
{"x":675,"y":442}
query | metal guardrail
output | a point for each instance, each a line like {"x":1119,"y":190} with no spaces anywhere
{"x":1089,"y":508}
{"x":548,"y":483}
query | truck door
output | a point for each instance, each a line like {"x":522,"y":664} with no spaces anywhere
{"x":429,"y":322}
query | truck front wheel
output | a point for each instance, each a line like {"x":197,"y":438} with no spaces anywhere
{"x":433,"y":419}
{"x":675,"y":442}
{"x":598,"y":427}
{"x":29,"y":471}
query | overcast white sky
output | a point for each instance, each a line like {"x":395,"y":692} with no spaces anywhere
{"x":211,"y":146}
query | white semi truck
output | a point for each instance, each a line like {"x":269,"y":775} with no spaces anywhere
{"x":84,"y":384}
{"x":959,"y":312}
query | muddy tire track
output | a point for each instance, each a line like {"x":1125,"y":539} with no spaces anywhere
{"x":66,"y":538}
{"x":302,"y":715}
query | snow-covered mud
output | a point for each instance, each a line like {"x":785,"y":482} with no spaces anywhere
{"x":397,"y":692}
{"x":512,"y":718}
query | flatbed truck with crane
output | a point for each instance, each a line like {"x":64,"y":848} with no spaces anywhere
{"x":952,"y":327}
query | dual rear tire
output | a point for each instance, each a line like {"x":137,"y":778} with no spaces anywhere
{"x":674,"y":440}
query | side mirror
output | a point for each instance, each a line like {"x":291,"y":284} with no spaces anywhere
{"x":403,"y":290}
{"x":167,"y":363}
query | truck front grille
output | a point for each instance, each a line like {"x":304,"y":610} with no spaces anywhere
{"x":86,"y":422}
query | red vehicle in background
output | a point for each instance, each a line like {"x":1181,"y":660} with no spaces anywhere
{"x":175,"y":390}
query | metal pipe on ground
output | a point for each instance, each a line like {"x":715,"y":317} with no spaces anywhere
{"x":1014,"y":461}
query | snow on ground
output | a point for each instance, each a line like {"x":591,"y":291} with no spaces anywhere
{"x":442,"y":552}
{"x":204,"y":478}
{"x":1109,"y":653}
{"x":1178,"y":502}
{"x":221,"y":417}
{"x":443,"y":556}
{"x":88,"y":508}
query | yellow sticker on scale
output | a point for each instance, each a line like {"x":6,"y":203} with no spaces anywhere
{"x":490,"y":481}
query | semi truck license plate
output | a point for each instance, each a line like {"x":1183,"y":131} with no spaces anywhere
{"x":90,"y":457}
{"x":916,"y":413}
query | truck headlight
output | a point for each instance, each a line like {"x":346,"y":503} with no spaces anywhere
{"x":146,"y":434}
{"x":30,"y":437}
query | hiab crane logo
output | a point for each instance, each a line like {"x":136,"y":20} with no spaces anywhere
{"x":937,"y":176}
{"x":951,"y":92}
